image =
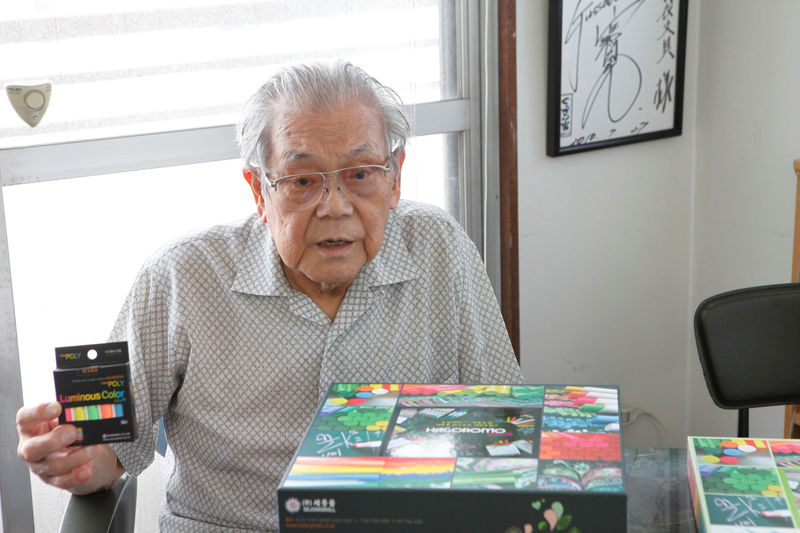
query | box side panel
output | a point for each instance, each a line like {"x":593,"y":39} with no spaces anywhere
{"x":692,"y":473}
{"x":402,"y":511}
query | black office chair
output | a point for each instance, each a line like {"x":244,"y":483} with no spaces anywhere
{"x":108,"y":511}
{"x":748,"y":341}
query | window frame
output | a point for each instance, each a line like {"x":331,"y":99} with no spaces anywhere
{"x":473,"y":115}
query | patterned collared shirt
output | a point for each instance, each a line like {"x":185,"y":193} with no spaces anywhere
{"x":236,"y":361}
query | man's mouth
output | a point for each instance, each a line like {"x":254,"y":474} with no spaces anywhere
{"x":332,"y":244}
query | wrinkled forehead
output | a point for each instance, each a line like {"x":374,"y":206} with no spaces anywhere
{"x":367,"y":150}
{"x":345,"y":130}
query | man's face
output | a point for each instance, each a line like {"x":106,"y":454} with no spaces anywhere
{"x":324,"y":247}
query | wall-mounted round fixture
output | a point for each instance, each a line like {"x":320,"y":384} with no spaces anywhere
{"x":29,"y":101}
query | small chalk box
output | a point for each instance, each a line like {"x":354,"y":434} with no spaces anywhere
{"x":389,"y":457}
{"x":93,"y":387}
{"x":744,"y":485}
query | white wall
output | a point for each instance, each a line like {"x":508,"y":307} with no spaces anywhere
{"x":604,"y":253}
{"x":748,"y":134}
{"x":618,"y":246}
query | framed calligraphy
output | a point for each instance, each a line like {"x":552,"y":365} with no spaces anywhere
{"x":615,"y":72}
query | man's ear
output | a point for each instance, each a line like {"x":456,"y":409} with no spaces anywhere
{"x":399,"y":157}
{"x":255,"y":187}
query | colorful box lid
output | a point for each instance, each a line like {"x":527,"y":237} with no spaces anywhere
{"x":740,"y":485}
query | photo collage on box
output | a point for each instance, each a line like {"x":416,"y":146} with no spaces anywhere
{"x":749,"y":482}
{"x":503,"y":437}
{"x":581,"y":448}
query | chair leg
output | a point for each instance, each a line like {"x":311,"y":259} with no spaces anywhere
{"x":744,"y":423}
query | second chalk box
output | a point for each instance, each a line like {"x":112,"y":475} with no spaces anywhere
{"x":93,"y":386}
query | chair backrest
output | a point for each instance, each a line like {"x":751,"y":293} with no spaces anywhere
{"x":748,"y":341}
{"x":105,"y":511}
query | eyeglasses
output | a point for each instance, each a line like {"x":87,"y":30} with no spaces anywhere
{"x":303,"y":191}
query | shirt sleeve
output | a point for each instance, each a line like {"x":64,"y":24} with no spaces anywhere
{"x":486,"y":353}
{"x":148,"y":321}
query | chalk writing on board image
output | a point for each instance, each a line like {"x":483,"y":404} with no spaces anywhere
{"x":618,"y":70}
{"x":343,"y":443}
{"x":748,"y":511}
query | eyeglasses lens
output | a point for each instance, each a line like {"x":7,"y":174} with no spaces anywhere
{"x":304,"y":190}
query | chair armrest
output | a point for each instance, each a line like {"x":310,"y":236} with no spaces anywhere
{"x":107,"y":511}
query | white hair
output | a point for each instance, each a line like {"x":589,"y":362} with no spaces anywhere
{"x":316,"y":86}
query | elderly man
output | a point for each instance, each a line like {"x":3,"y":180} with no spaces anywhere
{"x":235,"y":333}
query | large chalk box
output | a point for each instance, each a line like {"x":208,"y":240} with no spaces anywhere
{"x":434,"y":458}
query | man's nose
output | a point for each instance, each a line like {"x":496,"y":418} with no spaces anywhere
{"x":329,"y":182}
{"x":335,"y":200}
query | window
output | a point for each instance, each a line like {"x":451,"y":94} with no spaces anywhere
{"x":140,"y":120}
{"x":162,"y":65}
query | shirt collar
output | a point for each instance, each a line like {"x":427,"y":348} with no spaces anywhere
{"x":259,"y":271}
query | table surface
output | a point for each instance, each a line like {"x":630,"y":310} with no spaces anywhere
{"x":658,"y":491}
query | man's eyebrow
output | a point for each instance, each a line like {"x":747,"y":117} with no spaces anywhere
{"x":295,"y":156}
{"x":364,"y":148}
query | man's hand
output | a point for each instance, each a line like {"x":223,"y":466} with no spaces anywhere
{"x":43,"y":445}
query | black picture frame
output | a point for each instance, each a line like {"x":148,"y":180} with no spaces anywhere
{"x":615,"y":72}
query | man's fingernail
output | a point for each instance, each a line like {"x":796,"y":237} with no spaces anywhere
{"x":68,"y":435}
{"x":52,"y":410}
